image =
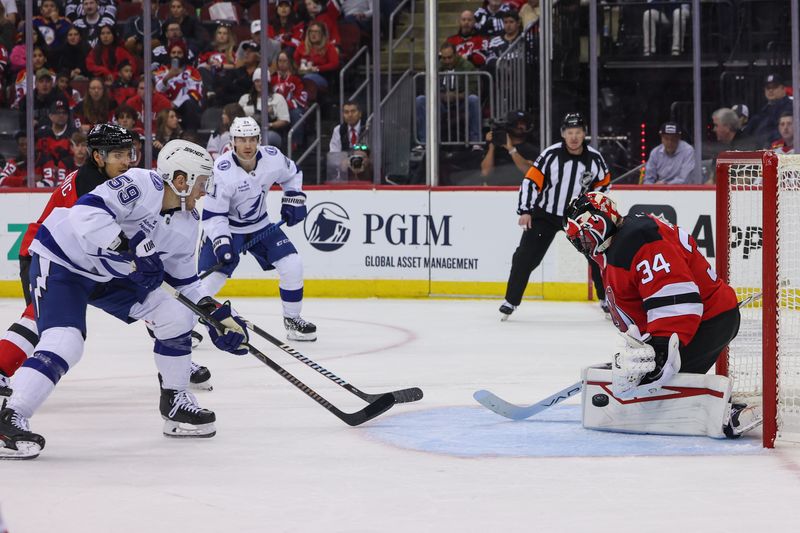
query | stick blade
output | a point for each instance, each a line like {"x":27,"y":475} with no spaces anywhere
{"x":376,"y":408}
{"x":497,"y":405}
{"x":413,"y":394}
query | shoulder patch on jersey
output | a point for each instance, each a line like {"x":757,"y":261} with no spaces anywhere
{"x":158,"y":183}
{"x":271,"y":150}
{"x":637,"y":230}
{"x":224,"y":165}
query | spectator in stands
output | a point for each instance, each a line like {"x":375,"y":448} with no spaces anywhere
{"x":18,"y":55}
{"x":350,"y":132}
{"x":193,"y":32}
{"x":285,"y":27}
{"x":315,"y":58}
{"x":167,"y":129}
{"x":78,"y":151}
{"x":161,"y":54}
{"x":659,"y":17}
{"x":97,"y":107}
{"x":160,"y":103}
{"x":286,"y":82}
{"x":44,"y":94}
{"x":8,"y":30}
{"x":126,"y":117}
{"x":509,"y":153}
{"x":500,"y":43}
{"x":729,"y":137}
{"x":785,"y":145}
{"x":277,"y":110}
{"x":672,"y":162}
{"x":15,"y":171}
{"x":326,"y":13}
{"x":105,"y":60}
{"x":40,"y":62}
{"x":469,"y":44}
{"x":236,"y":82}
{"x":75,"y":9}
{"x":182,"y":84}
{"x":529,"y":14}
{"x":743,"y":112}
{"x":72,"y":56}
{"x":53,"y":139}
{"x":763,"y":126}
{"x":225,"y":43}
{"x":273,"y":46}
{"x":123,"y":88}
{"x":64,"y":84}
{"x":215,"y":64}
{"x":138,"y":148}
{"x":358,"y":12}
{"x":93,"y":18}
{"x":133,"y":35}
{"x":489,"y":18}
{"x":10,"y":12}
{"x":454,"y":90}
{"x":51,"y":25}
{"x":220,"y":140}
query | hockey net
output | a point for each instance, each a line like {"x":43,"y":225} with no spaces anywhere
{"x":758,"y":244}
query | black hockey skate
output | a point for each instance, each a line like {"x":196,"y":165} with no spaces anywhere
{"x":197,"y":338}
{"x":298,"y":329}
{"x":17,"y":441}
{"x":505,"y":311}
{"x":183,"y":417}
{"x":5,"y":389}
{"x":200,"y":378}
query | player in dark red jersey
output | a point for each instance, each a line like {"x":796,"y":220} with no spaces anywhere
{"x":676,"y":314}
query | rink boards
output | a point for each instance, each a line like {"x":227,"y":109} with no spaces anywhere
{"x":410,"y":242}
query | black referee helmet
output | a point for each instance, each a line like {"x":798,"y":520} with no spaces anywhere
{"x":573,"y":120}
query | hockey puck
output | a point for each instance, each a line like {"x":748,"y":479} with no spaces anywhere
{"x":600,"y":400}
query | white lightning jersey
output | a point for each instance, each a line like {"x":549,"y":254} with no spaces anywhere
{"x":238,"y":201}
{"x":78,"y":237}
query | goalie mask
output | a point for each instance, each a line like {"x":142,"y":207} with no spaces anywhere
{"x":590,"y":222}
{"x":187,"y":158}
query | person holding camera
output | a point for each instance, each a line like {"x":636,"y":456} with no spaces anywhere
{"x":350,"y":131}
{"x":509,"y":152}
{"x":561,"y":172}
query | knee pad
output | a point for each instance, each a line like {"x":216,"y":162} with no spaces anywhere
{"x":59,"y":349}
{"x":290,"y":272}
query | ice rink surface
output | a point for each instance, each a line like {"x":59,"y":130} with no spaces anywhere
{"x":280,"y":462}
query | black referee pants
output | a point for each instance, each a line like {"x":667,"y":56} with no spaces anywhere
{"x":532,"y":247}
{"x":711,"y":338}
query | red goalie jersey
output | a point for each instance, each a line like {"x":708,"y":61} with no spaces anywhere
{"x":656,"y":278}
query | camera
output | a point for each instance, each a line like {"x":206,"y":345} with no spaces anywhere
{"x":499,"y":133}
{"x":357,"y":160}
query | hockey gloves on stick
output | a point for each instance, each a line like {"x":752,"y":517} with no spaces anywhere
{"x":147,"y":270}
{"x":223,"y":250}
{"x":235,"y":335}
{"x":293,"y":208}
{"x":638,"y":368}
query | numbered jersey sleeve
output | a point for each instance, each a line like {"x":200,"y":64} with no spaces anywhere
{"x":657,"y":279}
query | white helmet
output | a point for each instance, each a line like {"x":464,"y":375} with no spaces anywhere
{"x":245,"y":127}
{"x":188,"y":158}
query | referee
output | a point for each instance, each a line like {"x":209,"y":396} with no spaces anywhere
{"x":560,"y":173}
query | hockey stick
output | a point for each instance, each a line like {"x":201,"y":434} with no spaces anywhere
{"x":516,"y":412}
{"x":249,"y":244}
{"x":400,"y":396}
{"x":379,"y":406}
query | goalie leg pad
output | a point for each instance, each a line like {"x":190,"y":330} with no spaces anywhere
{"x":689,"y":404}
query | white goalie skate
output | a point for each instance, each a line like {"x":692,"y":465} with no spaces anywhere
{"x":298,"y":329}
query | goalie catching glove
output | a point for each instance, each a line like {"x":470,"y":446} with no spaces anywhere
{"x":234,"y":337}
{"x":644,"y":363}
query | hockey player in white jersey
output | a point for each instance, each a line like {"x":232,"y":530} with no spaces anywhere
{"x":112,"y":249}
{"x":235,"y":212}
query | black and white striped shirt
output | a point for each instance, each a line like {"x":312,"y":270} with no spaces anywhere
{"x":557,"y":177}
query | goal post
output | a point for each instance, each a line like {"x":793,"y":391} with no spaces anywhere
{"x":758,"y":254}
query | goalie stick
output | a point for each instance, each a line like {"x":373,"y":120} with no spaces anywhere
{"x":517,"y":412}
{"x":380,"y":405}
{"x":400,"y":396}
{"x":249,"y":244}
